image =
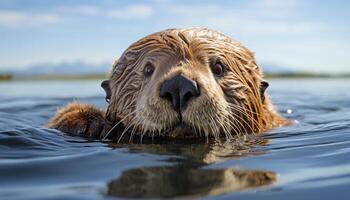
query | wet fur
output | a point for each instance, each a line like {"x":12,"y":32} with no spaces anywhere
{"x":230,"y":105}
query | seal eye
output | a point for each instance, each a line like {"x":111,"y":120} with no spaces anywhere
{"x":148,"y":70}
{"x":218,"y":69}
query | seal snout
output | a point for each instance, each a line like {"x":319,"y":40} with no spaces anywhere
{"x":179,"y":90}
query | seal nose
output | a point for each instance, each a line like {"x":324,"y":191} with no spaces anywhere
{"x":179,"y":90}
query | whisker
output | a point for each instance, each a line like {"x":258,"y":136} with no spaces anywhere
{"x":242,"y":110}
{"x":240,"y":125}
{"x":125,"y":130}
{"x":115,"y":126}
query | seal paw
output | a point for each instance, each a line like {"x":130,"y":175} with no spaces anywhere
{"x":80,"y":119}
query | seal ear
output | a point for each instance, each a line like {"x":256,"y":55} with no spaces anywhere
{"x":263,"y":86}
{"x":105,"y":86}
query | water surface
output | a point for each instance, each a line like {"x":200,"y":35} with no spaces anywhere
{"x":308,"y":160}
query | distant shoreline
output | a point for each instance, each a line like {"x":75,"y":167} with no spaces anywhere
{"x":6,"y":77}
{"x":57,"y":77}
{"x":304,"y":75}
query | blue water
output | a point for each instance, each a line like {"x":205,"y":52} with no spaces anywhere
{"x":309,"y":160}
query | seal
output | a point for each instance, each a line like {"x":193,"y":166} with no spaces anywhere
{"x":178,"y":83}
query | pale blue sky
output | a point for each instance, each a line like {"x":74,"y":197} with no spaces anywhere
{"x":309,"y":35}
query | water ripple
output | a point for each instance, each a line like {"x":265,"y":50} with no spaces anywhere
{"x":308,"y":159}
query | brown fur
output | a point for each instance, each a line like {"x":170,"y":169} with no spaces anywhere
{"x":228,"y":105}
{"x":81,"y":119}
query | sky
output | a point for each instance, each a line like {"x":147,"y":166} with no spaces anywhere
{"x":306,"y":35}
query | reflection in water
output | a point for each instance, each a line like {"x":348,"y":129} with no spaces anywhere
{"x":182,"y":181}
{"x":202,"y":153}
{"x":188,"y":176}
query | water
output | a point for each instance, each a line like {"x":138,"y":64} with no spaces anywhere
{"x":308,"y":160}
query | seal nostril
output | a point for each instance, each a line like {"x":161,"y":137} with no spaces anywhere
{"x":167,"y":96}
{"x":186,"y":98}
{"x":179,"y":90}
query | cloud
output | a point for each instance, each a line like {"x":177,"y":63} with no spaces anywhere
{"x":80,"y":9}
{"x":273,"y":4}
{"x":16,"y":18}
{"x":24,"y":19}
{"x":135,"y":11}
{"x":255,"y":26}
{"x":258,"y":17}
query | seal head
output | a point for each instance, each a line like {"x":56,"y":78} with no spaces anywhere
{"x":189,"y":83}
